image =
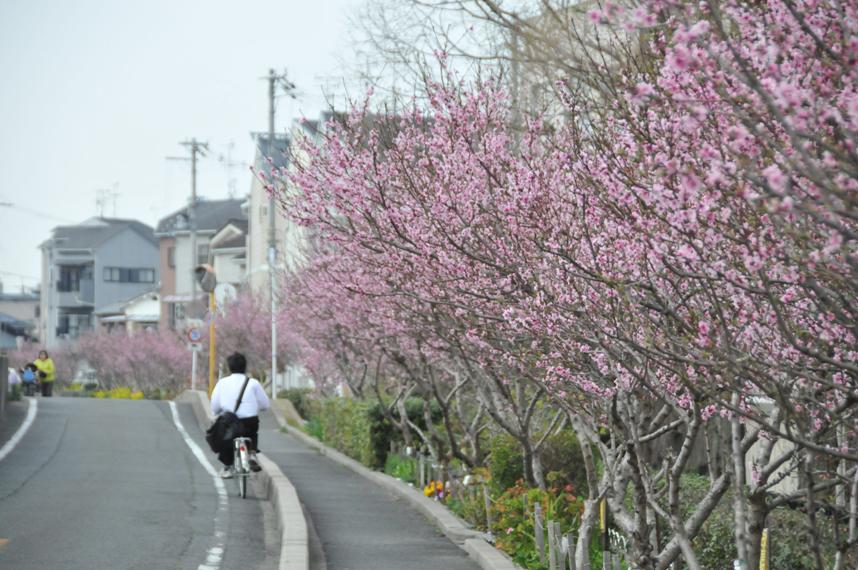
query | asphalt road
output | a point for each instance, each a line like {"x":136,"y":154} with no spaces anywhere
{"x":113,"y":484}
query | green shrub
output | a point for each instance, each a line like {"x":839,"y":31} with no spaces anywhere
{"x":300,"y":399}
{"x":154,"y":394}
{"x":383,"y":432}
{"x":401,"y":467}
{"x":16,"y":393}
{"x":562,"y":461}
{"x":505,"y":462}
{"x":514,"y":524}
{"x":471,"y":507}
{"x":715,"y":545}
{"x":345,"y":426}
{"x":313,"y":427}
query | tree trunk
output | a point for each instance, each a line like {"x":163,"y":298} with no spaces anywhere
{"x":739,"y":478}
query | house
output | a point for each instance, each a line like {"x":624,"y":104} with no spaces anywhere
{"x":89,"y":266}
{"x":269,"y":157}
{"x":228,"y":251}
{"x":177,"y":263}
{"x":12,"y":329}
{"x":22,"y":307}
{"x":292,"y":239}
{"x":141,"y":312}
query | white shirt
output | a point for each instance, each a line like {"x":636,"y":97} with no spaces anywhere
{"x":225,"y":394}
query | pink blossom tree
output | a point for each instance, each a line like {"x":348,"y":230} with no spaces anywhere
{"x":686,"y":254}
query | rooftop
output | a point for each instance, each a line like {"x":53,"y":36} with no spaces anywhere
{"x":211,"y":216}
{"x":19,"y":296}
{"x":93,"y":232}
{"x":279,"y":151}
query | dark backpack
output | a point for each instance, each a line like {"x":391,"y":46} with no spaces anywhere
{"x":225,"y":427}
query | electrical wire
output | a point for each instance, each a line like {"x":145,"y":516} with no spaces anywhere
{"x":38,"y":213}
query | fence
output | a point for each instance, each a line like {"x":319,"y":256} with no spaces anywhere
{"x":555,"y":547}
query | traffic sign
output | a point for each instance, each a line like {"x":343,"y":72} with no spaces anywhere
{"x":195,"y":335}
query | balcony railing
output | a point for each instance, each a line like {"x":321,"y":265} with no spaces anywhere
{"x":83,"y":296}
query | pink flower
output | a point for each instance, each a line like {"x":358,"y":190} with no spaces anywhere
{"x":775,"y":178}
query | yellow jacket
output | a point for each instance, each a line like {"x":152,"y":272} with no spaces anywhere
{"x":46,"y":366}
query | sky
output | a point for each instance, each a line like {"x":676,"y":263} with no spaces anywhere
{"x":94,"y":95}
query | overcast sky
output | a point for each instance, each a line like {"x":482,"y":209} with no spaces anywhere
{"x":97,"y":93}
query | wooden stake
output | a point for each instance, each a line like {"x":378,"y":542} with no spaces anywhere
{"x":539,"y":532}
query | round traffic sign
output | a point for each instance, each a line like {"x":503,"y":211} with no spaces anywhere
{"x":194,"y":334}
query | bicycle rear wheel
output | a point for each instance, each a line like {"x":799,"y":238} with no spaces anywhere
{"x":242,"y":485}
{"x":240,"y":464}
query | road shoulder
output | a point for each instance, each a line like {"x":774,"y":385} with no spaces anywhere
{"x":12,"y":420}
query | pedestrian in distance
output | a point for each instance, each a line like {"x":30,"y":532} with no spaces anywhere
{"x":253,"y":400}
{"x":47,"y":373}
{"x":13,"y":379}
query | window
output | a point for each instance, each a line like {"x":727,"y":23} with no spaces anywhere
{"x":202,"y":254}
{"x":171,"y":256}
{"x":129,"y":275}
{"x":177,"y":314}
{"x":69,"y":279}
{"x":73,"y":324}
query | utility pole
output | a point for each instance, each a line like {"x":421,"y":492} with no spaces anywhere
{"x":288,"y":87}
{"x":196,"y":148}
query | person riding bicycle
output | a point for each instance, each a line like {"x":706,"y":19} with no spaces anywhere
{"x":224,"y":397}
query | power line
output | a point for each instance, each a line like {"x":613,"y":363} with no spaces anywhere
{"x":35,"y":212}
{"x":13,"y":274}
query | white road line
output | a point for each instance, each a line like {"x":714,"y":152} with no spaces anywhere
{"x":214,"y":555}
{"x":28,"y":421}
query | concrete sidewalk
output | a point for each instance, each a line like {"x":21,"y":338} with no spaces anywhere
{"x":359,"y":525}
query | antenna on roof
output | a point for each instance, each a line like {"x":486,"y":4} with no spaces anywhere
{"x":102,"y":195}
{"x":229,"y":165}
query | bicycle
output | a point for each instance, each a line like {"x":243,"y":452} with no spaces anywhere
{"x":241,"y":463}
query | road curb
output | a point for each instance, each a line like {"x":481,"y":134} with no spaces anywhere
{"x":294,"y":543}
{"x":454,"y":528}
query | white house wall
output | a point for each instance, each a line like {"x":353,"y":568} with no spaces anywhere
{"x":185,"y":262}
{"x":228,"y":268}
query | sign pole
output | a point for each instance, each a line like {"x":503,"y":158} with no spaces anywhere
{"x":193,"y":369}
{"x":212,"y":307}
{"x":194,"y":337}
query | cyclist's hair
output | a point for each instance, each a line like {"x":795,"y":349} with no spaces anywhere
{"x":237,"y":363}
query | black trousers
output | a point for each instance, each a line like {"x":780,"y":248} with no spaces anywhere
{"x":47,"y":388}
{"x":248,"y":427}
